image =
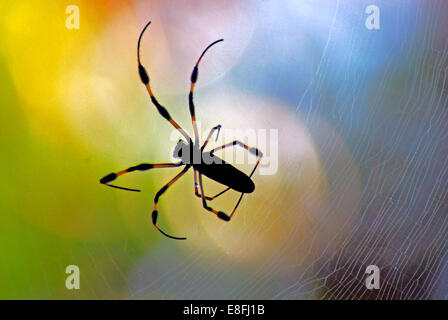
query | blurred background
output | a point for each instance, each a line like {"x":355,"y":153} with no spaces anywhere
{"x":362,"y":120}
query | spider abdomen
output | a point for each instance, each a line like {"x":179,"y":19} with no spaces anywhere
{"x":226,"y":174}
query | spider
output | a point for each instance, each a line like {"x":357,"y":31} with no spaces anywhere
{"x":214,"y":168}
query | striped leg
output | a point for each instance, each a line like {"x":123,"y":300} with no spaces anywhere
{"x":141,"y":167}
{"x":145,"y":79}
{"x":218,"y":127}
{"x":194,"y":78}
{"x":156,"y":201}
{"x":196,"y":186}
{"x":196,"y":189}
{"x":219,"y":214}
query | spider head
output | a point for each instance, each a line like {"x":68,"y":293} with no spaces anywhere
{"x":180,"y":149}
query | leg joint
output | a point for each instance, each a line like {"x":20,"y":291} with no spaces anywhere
{"x":159,"y":193}
{"x":110,"y":177}
{"x":256,"y":152}
{"x":141,"y":167}
{"x":154,"y":217}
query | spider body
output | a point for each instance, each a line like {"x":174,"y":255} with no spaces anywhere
{"x":213,"y":167}
{"x":227,"y":175}
{"x":192,"y":155}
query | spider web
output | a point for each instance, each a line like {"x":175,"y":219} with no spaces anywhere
{"x":384,"y":93}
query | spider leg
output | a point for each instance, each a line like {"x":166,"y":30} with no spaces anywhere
{"x":194,"y":78}
{"x":156,"y":201}
{"x":145,"y":79}
{"x":196,"y":186}
{"x":141,"y":167}
{"x":219,"y":214}
{"x":218,"y":127}
{"x":196,"y":189}
{"x":251,"y":150}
